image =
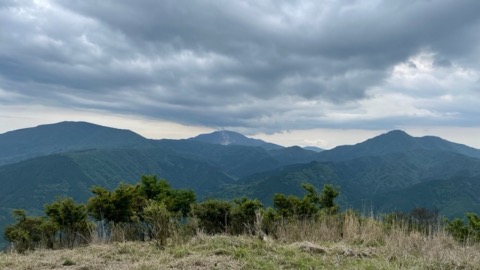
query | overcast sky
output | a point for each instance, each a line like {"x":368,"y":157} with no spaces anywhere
{"x":306,"y":72}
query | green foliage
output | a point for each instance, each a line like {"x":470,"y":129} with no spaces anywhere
{"x":243,"y":215}
{"x":147,"y":209}
{"x":469,"y":231}
{"x":121,"y":205}
{"x":457,"y":229}
{"x":418,"y":219}
{"x":327,"y":199}
{"x":27,"y":233}
{"x":285,"y":206}
{"x":157,"y":219}
{"x":154,"y":189}
{"x":213,"y":215}
{"x":309,"y":206}
{"x":71,"y":220}
{"x":176,"y":201}
{"x":182,"y":201}
{"x":134,"y":208}
{"x":68,"y":262}
{"x":270,"y":221}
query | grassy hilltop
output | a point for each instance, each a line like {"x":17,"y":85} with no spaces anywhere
{"x":303,"y":245}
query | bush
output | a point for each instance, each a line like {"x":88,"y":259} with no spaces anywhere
{"x":70,"y":219}
{"x":27,"y":233}
{"x":243,"y":215}
{"x":418,"y":219}
{"x":176,"y":201}
{"x":310,"y":206}
{"x":465,"y":232}
{"x":157,"y":221}
{"x":213,"y":215}
{"x":121,"y":205}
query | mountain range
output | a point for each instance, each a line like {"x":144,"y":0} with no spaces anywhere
{"x":390,"y":172}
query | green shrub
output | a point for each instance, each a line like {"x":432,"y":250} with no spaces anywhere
{"x":463,"y":232}
{"x":243,"y":215}
{"x":157,"y":219}
{"x":292,"y":207}
{"x":71,"y":220}
{"x":213,"y":215}
{"x":120,"y":205}
{"x":27,"y":233}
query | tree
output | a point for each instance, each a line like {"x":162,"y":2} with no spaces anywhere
{"x":154,"y":189}
{"x":157,"y":220}
{"x":27,"y":233}
{"x":469,"y":231}
{"x":213,"y":215}
{"x":243,"y":214}
{"x":284,"y":206}
{"x":122,"y":205}
{"x":71,"y":220}
{"x":310,"y":205}
{"x":176,"y":201}
{"x":327,"y":199}
{"x":182,"y":201}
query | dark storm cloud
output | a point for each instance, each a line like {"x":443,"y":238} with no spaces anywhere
{"x":224,"y":63}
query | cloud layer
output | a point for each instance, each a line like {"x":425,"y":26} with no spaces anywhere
{"x":264,"y":66}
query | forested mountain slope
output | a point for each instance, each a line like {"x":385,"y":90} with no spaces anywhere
{"x":393,"y":171}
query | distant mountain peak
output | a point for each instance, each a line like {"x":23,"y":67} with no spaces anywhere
{"x":61,"y":126}
{"x":223,"y":137}
{"x":396,"y":141}
{"x":227,"y":137}
{"x":397,"y":132}
{"x":60,"y":137}
{"x":393,"y":135}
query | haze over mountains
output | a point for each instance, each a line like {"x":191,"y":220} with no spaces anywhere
{"x":393,"y":171}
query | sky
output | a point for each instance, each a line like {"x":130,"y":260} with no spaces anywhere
{"x":296,"y":72}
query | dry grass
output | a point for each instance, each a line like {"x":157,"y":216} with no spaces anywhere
{"x":350,"y":243}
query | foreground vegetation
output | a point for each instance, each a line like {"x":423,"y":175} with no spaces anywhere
{"x":355,"y":244}
{"x":152,"y":226}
